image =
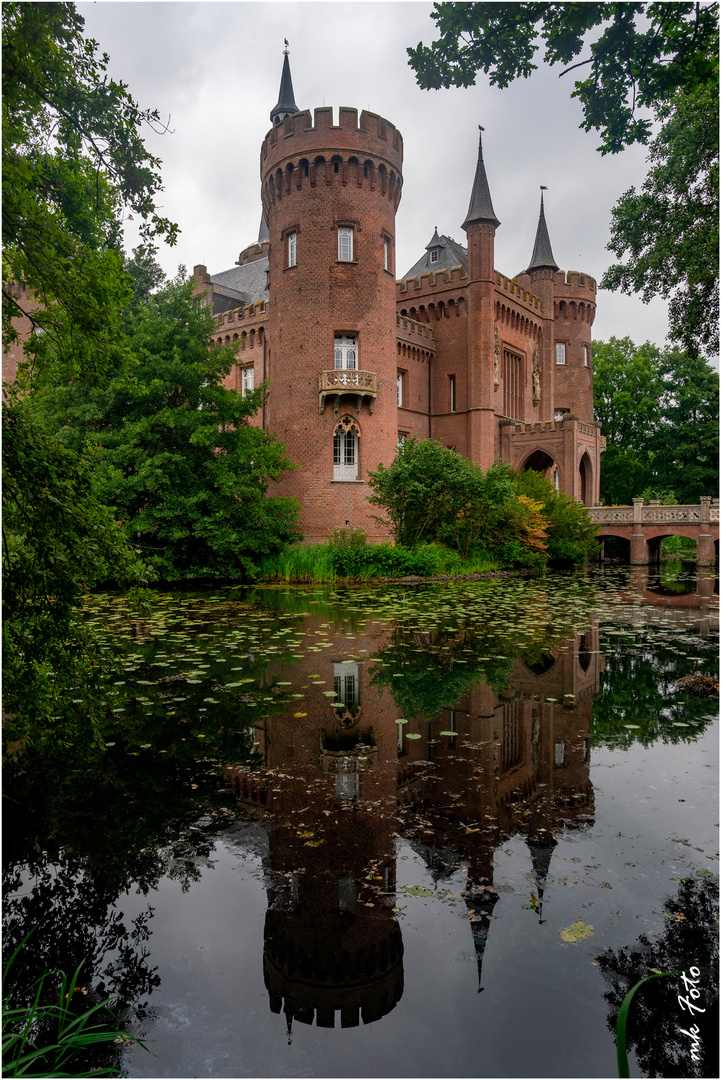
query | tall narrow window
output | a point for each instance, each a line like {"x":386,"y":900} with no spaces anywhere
{"x":399,"y":388}
{"x":248,"y":379}
{"x":434,"y":256}
{"x":345,"y":450}
{"x":345,"y":245}
{"x":292,"y":238}
{"x":560,"y":352}
{"x":345,"y":352}
{"x":386,"y":255}
{"x":452,"y":392}
{"x":585,"y":355}
{"x":512,"y":385}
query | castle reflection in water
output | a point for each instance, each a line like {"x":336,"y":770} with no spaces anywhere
{"x":340,"y":784}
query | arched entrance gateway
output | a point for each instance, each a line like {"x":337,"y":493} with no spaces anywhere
{"x":586,"y":476}
{"x":541,"y":462}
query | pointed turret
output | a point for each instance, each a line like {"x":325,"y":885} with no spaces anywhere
{"x":480,"y":207}
{"x":541,"y":848}
{"x":542,"y":258}
{"x":286,"y":100}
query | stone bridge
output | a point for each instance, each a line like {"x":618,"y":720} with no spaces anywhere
{"x":645,"y":527}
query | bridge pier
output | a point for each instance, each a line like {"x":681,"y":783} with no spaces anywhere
{"x":705,"y":547}
{"x":639,"y":545}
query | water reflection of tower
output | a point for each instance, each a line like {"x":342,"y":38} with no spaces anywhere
{"x":333,"y":949}
{"x":521,"y":766}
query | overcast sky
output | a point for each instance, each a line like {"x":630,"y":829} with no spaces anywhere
{"x":214,"y":69}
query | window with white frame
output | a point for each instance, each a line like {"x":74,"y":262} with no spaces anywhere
{"x":345,"y":450}
{"x":386,"y":254}
{"x":558,"y":414}
{"x":346,"y":683}
{"x":401,"y":439}
{"x":345,"y":352}
{"x":556,"y":478}
{"x":560,"y":352}
{"x":399,"y":389}
{"x":585,"y":355}
{"x":434,"y":256}
{"x":345,"y":244}
{"x":292,"y":248}
{"x":248,"y":379}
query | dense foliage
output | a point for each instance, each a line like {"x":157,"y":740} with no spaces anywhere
{"x":669,"y":229}
{"x":432,"y":494}
{"x":639,"y":63}
{"x":659,"y":411}
{"x":571,"y":536}
{"x":58,"y":540}
{"x":172,"y":449}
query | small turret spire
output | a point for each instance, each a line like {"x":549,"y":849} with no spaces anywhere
{"x":542,"y":258}
{"x":286,"y":100}
{"x":480,"y":207}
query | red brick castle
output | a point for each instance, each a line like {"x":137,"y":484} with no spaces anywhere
{"x":495,"y":367}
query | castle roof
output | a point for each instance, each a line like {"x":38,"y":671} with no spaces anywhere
{"x":286,"y":99}
{"x":542,"y":258}
{"x":480,"y":207}
{"x":240,"y":285}
{"x":450,"y":254}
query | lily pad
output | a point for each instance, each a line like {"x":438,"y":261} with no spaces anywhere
{"x":416,"y":890}
{"x":577,"y":931}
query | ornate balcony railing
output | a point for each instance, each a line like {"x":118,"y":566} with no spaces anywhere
{"x":360,"y":384}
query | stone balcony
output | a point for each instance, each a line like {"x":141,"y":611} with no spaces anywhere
{"x":336,"y":384}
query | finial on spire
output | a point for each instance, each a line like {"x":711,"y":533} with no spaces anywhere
{"x":481,"y":207}
{"x":286,"y":50}
{"x":542,"y":258}
{"x":286,"y":101}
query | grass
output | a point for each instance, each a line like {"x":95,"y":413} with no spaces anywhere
{"x":44,"y":1040}
{"x":621,"y":1051}
{"x":323,"y":563}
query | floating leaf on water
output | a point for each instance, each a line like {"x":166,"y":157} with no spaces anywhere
{"x":703,"y":873}
{"x":416,"y":890}
{"x":300,"y":714}
{"x":410,"y":735}
{"x":632,"y":727}
{"x":447,"y":733}
{"x":110,"y":744}
{"x":577,"y":931}
{"x":401,"y":721}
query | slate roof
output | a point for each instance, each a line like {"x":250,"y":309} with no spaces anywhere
{"x":542,"y":258}
{"x":450,"y":254}
{"x":242,"y":284}
{"x":480,"y":207}
{"x":286,"y":99}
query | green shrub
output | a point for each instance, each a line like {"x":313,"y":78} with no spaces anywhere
{"x":571,"y":536}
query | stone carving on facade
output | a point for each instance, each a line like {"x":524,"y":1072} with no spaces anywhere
{"x":536,"y":375}
{"x":496,"y":359}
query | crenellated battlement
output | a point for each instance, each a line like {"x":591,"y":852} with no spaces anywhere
{"x":365,"y":153}
{"x":433,"y":281}
{"x":415,"y":332}
{"x":574,"y":284}
{"x":253,"y":253}
{"x":241,"y":316}
{"x":372,"y":132}
{"x":521,"y":295}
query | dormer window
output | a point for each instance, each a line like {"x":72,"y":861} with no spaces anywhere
{"x":434,"y":255}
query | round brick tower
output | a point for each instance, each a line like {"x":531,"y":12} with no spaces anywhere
{"x":574,"y":311}
{"x":330,"y":194}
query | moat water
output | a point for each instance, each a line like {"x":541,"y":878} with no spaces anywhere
{"x":420,"y":831}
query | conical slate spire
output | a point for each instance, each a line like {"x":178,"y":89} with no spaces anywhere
{"x":286,"y":100}
{"x":542,"y":258}
{"x":436,"y":241}
{"x":481,"y":207}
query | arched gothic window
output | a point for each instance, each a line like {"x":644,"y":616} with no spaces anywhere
{"x":345,"y":449}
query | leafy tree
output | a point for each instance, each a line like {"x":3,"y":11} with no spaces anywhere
{"x":678,"y":200}
{"x":430,"y":493}
{"x":73,"y":160}
{"x":172,"y":449}
{"x":659,"y":412}
{"x":686,"y":445}
{"x":571,"y":536}
{"x":57,"y":542}
{"x":638,"y":56}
